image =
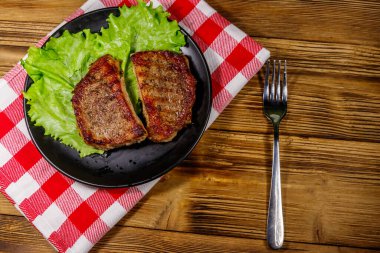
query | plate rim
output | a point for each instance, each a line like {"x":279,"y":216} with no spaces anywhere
{"x":182,"y":157}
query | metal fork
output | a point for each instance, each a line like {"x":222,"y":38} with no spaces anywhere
{"x":275,"y":99}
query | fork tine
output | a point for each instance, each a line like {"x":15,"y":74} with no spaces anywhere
{"x":272,"y":95}
{"x":278,"y":87}
{"x":266,"y":83}
{"x":285,"y":86}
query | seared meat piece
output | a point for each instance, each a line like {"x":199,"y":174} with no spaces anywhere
{"x":167,"y":92}
{"x":104,"y":113}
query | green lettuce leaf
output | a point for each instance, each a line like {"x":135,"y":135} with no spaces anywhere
{"x":64,"y":61}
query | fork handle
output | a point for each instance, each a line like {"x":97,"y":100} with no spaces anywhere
{"x":275,"y":223}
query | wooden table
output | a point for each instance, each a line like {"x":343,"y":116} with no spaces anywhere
{"x":216,"y":201}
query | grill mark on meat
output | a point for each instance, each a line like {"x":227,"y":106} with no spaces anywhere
{"x":104,"y":113}
{"x":167,"y":92}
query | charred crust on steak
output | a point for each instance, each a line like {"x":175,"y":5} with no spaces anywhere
{"x":104,"y":113}
{"x":167,"y":91}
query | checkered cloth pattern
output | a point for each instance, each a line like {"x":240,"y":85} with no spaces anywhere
{"x":73,"y":216}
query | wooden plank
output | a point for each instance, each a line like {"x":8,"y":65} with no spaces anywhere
{"x":144,"y":240}
{"x":353,"y":22}
{"x":326,"y":199}
{"x":18,"y":235}
{"x":7,"y":208}
{"x":326,"y":58}
{"x":325,"y":106}
{"x":38,"y":11}
{"x":272,"y":19}
{"x":330,"y":190}
{"x":130,"y":239}
{"x":20,"y":33}
{"x":9,"y":56}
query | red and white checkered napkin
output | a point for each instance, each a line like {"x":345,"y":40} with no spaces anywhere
{"x":73,"y":216}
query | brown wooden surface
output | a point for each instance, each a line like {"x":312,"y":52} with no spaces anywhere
{"x":216,"y":201}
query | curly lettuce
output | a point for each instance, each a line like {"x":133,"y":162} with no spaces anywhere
{"x":57,"y":67}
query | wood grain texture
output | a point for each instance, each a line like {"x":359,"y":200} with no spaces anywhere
{"x":325,"y":106}
{"x":7,"y":208}
{"x":9,"y":56}
{"x":349,"y":21}
{"x":37,"y":11}
{"x":216,"y":201}
{"x":132,"y":239}
{"x":20,"y":33}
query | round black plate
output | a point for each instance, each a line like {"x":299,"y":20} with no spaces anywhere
{"x":138,"y":163}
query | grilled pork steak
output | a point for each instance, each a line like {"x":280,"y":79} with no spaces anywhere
{"x":167,"y":91}
{"x":104,"y":113}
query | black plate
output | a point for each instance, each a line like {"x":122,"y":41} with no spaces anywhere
{"x":138,"y":163}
